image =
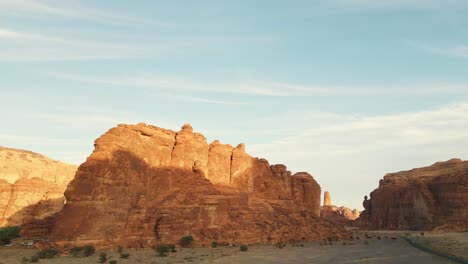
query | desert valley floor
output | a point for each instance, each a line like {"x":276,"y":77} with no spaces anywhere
{"x":370,"y":250}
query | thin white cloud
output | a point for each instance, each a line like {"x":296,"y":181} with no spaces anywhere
{"x":66,"y":9}
{"x":402,"y":4}
{"x":352,"y":149}
{"x":265,"y":88}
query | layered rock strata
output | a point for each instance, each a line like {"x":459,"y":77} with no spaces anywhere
{"x":31,"y":186}
{"x":145,"y":185}
{"x":434,"y":197}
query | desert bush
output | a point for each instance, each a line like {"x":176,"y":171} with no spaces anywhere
{"x":214,"y":244}
{"x":243,"y":248}
{"x":113,"y":261}
{"x":422,"y":233}
{"x":24,"y":260}
{"x":47,"y":253}
{"x":34,"y":259}
{"x":378,"y":237}
{"x":102,"y":257}
{"x":119,"y":249}
{"x":186,"y":241}
{"x":76,"y":251}
{"x":88,"y":250}
{"x":162,"y":250}
{"x":124,"y":255}
{"x":172,"y":247}
{"x":10,"y":231}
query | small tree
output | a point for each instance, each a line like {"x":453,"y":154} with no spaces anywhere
{"x":102,"y":257}
{"x":186,"y":241}
{"x":47,"y":253}
{"x":162,"y":250}
{"x":88,"y":250}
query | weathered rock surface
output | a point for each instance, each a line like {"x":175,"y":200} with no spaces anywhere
{"x":339,"y":215}
{"x":31,"y":186}
{"x":145,"y":185}
{"x":424,"y":198}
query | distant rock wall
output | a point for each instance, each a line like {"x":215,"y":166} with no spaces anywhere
{"x":31,"y":186}
{"x":339,"y":215}
{"x":434,"y":197}
{"x":146,"y":185}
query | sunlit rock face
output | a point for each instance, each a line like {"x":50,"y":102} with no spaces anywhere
{"x":31,"y":186}
{"x":434,"y":197}
{"x":337,"y":214}
{"x":146,"y":185}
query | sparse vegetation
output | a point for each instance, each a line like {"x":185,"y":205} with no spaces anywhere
{"x":8,"y":233}
{"x":47,"y":253}
{"x":186,"y":241}
{"x":76,"y":251}
{"x":88,"y":250}
{"x":113,"y":262}
{"x":103,"y":257}
{"x":162,"y":250}
{"x":243,"y":248}
{"x":214,"y":244}
{"x":34,"y":259}
{"x":119,"y":249}
{"x":124,"y":255}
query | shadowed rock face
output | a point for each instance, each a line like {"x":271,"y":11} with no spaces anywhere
{"x":147,"y":185}
{"x":424,"y":198}
{"x":31,"y":186}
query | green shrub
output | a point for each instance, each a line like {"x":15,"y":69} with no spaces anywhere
{"x":172,"y":247}
{"x":10,"y":231}
{"x":214,"y":244}
{"x":5,"y":241}
{"x":113,"y":262}
{"x":124,"y":255}
{"x":243,"y":248}
{"x":47,"y":253}
{"x":119,"y":249}
{"x":103,"y":257}
{"x":186,"y":241}
{"x":88,"y":250}
{"x":162,"y":250}
{"x":34,"y":259}
{"x":76,"y":251}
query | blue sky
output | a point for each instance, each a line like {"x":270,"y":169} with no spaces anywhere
{"x":347,"y":90}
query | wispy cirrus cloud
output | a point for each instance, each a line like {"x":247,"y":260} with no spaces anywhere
{"x":66,"y":9}
{"x":402,"y":4}
{"x":260,"y":87}
{"x":370,"y":146}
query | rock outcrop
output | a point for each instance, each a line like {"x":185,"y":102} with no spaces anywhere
{"x":145,"y":185}
{"x":420,"y":199}
{"x":339,"y":215}
{"x":31,"y":186}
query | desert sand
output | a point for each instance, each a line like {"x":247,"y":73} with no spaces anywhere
{"x":362,"y":250}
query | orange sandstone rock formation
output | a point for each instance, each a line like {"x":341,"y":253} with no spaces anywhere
{"x":434,"y":197}
{"x":31,"y":186}
{"x":145,"y":185}
{"x":339,"y":215}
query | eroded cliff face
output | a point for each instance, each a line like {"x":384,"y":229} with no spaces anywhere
{"x":434,"y":197}
{"x":146,"y":185}
{"x":31,"y":186}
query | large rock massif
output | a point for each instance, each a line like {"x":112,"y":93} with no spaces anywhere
{"x":339,"y":215}
{"x":145,"y":185}
{"x":434,"y":197}
{"x":31,"y":186}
